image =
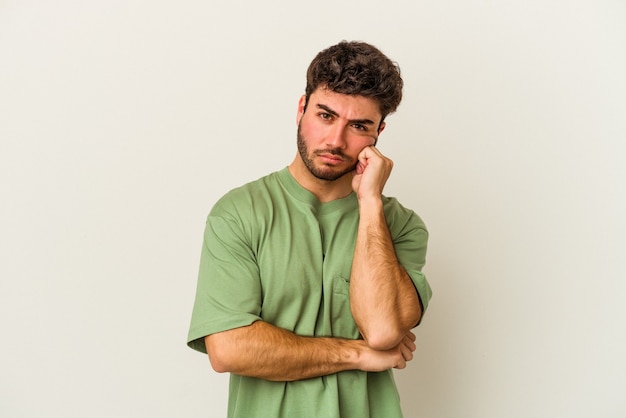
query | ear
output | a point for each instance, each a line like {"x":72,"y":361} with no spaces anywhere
{"x":301,"y":106}
{"x":381,"y":127}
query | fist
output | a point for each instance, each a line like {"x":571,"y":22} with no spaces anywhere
{"x":371,"y":173}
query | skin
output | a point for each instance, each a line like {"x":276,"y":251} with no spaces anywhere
{"x":336,"y":155}
{"x":335,"y":129}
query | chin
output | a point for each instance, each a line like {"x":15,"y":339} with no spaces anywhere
{"x":324,"y":173}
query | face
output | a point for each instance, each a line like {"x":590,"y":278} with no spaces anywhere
{"x":332,"y":131}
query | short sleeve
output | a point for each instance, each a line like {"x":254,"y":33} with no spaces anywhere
{"x":228,"y":293}
{"x":410,"y":238}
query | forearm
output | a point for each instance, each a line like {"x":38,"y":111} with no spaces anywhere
{"x":265,"y":351}
{"x":383,"y":299}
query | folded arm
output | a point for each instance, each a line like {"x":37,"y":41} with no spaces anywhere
{"x":265,"y":351}
{"x":384,"y":302}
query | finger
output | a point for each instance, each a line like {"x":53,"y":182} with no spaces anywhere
{"x":371,"y":151}
{"x":407,"y":353}
{"x":375,"y":150}
{"x":401,"y":364}
{"x":410,"y":345}
{"x":360,"y":167}
{"x":363,"y":156}
{"x":407,"y":342}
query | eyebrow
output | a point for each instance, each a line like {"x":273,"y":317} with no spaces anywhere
{"x":332,"y":112}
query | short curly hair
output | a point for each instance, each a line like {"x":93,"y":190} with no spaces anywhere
{"x":360,"y":69}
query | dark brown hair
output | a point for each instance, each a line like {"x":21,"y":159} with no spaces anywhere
{"x":357,"y":68}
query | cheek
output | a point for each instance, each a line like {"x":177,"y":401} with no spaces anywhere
{"x":357,"y":145}
{"x":310,"y":132}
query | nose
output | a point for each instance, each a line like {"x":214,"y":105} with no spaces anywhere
{"x":336,"y":137}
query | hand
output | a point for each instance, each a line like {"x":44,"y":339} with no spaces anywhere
{"x":407,"y":346}
{"x":397,"y":357}
{"x":371,"y":173}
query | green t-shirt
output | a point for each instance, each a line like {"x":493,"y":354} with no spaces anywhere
{"x":273,"y":252}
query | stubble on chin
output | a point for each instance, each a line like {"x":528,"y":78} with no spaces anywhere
{"x":321,"y":172}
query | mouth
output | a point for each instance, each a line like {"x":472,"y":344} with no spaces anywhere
{"x":331,"y":158}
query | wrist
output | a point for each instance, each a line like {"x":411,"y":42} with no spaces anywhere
{"x":357,"y":358}
{"x":370,"y":201}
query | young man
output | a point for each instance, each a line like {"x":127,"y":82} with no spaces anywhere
{"x":310,"y":279}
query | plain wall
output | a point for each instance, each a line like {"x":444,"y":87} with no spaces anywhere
{"x":122,"y":122}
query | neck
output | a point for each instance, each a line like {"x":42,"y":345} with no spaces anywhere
{"x":324,"y":190}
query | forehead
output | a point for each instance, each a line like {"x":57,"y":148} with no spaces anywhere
{"x":346,"y":105}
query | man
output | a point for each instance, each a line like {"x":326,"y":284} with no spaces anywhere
{"x":310,"y":279}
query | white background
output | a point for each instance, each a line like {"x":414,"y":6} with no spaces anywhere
{"x":122,"y":122}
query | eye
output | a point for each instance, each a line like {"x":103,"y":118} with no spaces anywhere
{"x":359,"y":127}
{"x":326,"y":116}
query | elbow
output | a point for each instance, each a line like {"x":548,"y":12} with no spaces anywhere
{"x":388,"y":336}
{"x":383,"y":339}
{"x":382,"y":345}
{"x":218,"y":364}
{"x":219,"y":358}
